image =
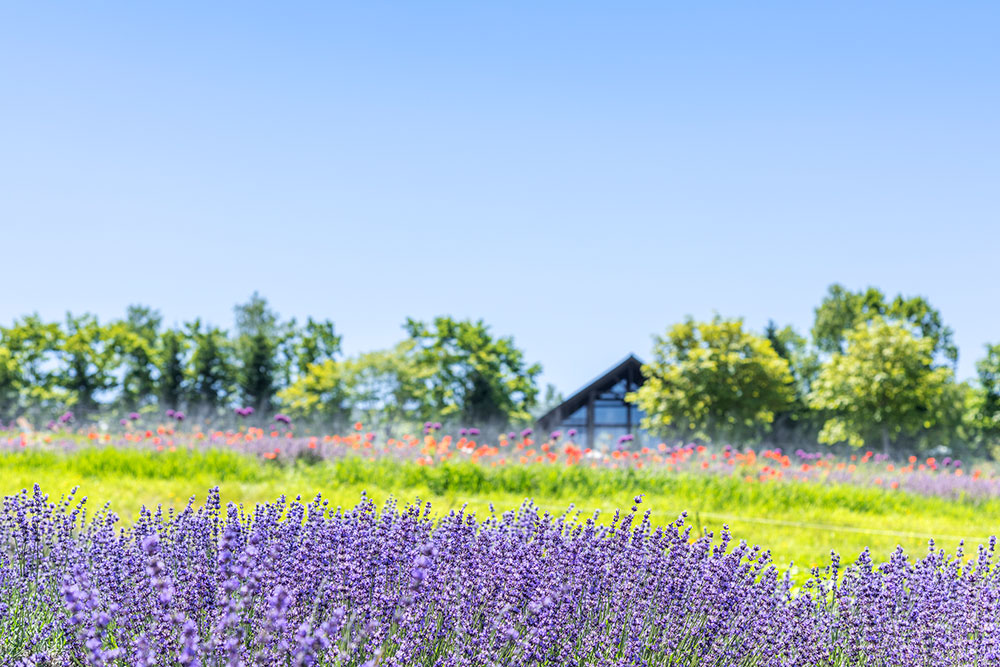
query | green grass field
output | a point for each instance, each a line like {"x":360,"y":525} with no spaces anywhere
{"x":800,"y":522}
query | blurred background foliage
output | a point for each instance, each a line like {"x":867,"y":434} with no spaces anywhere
{"x":874,"y":371}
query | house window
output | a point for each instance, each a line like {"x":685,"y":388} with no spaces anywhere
{"x":607,"y":413}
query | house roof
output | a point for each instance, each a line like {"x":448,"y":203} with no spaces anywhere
{"x":604,"y":381}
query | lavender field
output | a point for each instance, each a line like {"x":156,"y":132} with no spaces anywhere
{"x":303,"y":583}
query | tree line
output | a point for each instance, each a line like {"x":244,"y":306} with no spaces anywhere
{"x":444,"y":369}
{"x":873,"y":371}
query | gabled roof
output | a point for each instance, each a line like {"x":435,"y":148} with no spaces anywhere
{"x":603,"y":382}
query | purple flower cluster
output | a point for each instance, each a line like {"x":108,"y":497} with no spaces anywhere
{"x":304,"y":584}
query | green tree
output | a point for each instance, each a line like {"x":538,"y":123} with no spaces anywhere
{"x":383,"y":386}
{"x":841,"y":310}
{"x":321,"y":393}
{"x":172,"y":386}
{"x":33,"y":346}
{"x":982,"y":408}
{"x":315,"y":342}
{"x":11,"y":382}
{"x":211,"y":376}
{"x":258,"y":340}
{"x":29,"y":359}
{"x":713,"y":380}
{"x":797,"y":423}
{"x":988,"y":370}
{"x":883,"y":385}
{"x":88,"y":360}
{"x":467,"y":374}
{"x":376,"y":387}
{"x":135,"y":339}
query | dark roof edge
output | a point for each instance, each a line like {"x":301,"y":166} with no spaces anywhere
{"x":577,"y":395}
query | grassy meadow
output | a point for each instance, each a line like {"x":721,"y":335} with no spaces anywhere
{"x":799,"y":522}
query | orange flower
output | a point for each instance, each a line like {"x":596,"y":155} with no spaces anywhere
{"x":894,"y":484}
{"x":358,"y":426}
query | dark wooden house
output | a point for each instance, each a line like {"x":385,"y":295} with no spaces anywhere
{"x":598,"y":412}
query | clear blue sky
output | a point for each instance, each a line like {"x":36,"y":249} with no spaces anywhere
{"x":580,"y":175}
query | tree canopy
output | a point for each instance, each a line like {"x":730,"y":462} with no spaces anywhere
{"x":714,"y":380}
{"x":467,"y":374}
{"x":842,"y":310}
{"x":884,"y":384}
